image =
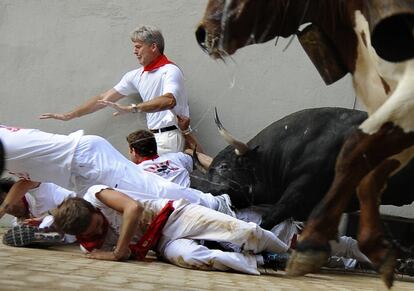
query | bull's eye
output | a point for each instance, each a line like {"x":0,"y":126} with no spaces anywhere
{"x":223,"y":166}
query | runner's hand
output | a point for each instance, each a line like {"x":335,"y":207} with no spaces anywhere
{"x":183,"y":122}
{"x":108,"y":256}
{"x":58,"y":116}
{"x":120,"y":109}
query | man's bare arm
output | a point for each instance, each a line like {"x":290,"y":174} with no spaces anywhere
{"x":16,"y":193}
{"x":90,"y":106}
{"x":131,"y":211}
{"x":159,"y":103}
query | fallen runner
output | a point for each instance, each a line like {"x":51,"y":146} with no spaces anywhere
{"x":111,"y":225}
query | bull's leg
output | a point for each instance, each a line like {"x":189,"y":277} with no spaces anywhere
{"x":360,"y":154}
{"x":371,"y":237}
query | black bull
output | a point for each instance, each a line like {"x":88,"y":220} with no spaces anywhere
{"x":290,"y":165}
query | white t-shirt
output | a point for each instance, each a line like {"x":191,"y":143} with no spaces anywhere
{"x":48,"y":196}
{"x":174,"y":167}
{"x":166,"y":79}
{"x":39,"y":156}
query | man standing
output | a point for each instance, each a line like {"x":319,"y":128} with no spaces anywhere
{"x":160,"y":84}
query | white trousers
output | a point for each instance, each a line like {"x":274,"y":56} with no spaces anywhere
{"x":97,"y":162}
{"x":169,"y":142}
{"x":190,"y":223}
{"x":345,"y":247}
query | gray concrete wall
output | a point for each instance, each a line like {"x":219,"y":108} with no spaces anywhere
{"x":55,"y":54}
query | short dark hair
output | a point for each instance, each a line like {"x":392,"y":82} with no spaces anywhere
{"x":5,"y":186}
{"x":74,"y":215}
{"x":143,"y":142}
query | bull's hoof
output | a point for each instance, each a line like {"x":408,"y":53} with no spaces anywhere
{"x":307,"y":258}
{"x":387,"y":267}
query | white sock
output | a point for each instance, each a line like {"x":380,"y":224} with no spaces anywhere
{"x":259,"y":260}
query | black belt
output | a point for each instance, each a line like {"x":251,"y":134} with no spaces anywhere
{"x":164,"y":129}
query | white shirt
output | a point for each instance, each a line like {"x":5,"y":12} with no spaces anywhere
{"x":39,"y":156}
{"x":174,"y":167}
{"x":166,"y":79}
{"x":48,"y":196}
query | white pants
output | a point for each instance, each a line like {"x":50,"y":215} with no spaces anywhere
{"x":345,"y":247}
{"x":97,"y":162}
{"x":190,"y":223}
{"x":170,"y":142}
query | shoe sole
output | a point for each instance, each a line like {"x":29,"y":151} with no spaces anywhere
{"x":25,"y":235}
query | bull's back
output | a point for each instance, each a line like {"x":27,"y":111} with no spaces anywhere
{"x":330,"y":124}
{"x":299,"y":152}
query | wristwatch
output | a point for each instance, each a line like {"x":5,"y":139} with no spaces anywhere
{"x":134,"y":108}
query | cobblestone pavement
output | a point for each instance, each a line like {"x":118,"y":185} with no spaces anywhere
{"x":64,"y":268}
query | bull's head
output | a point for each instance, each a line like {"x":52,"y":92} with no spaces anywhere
{"x":232,"y":171}
{"x":228,"y":25}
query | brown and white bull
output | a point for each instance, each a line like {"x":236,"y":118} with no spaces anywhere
{"x":374,"y":41}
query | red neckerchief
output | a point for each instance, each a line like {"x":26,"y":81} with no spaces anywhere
{"x":157,"y":63}
{"x":90,"y":243}
{"x":153,"y":157}
{"x":152,"y":235}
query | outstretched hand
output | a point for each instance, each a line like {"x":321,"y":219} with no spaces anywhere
{"x":109,"y":256}
{"x":120,"y":109}
{"x":58,"y":116}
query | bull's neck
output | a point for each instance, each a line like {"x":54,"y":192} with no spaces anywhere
{"x":335,"y":19}
{"x":326,"y":14}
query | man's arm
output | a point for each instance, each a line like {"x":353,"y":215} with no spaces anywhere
{"x":16,"y":192}
{"x":204,"y":160}
{"x":160,"y":103}
{"x":131,"y":211}
{"x":92,"y":105}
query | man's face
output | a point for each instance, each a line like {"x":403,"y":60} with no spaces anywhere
{"x":133,"y":156}
{"x":146,"y":53}
{"x":96,"y":227}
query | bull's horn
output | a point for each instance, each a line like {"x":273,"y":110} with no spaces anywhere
{"x":391,"y":25}
{"x":240,"y":148}
{"x":196,"y":162}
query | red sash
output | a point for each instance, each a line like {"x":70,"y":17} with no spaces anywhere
{"x":153,"y":233}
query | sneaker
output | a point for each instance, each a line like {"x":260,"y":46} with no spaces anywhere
{"x":225,"y":205}
{"x":335,"y":262}
{"x":275,"y":261}
{"x":23,"y":235}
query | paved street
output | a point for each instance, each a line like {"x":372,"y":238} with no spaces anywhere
{"x":64,"y":268}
